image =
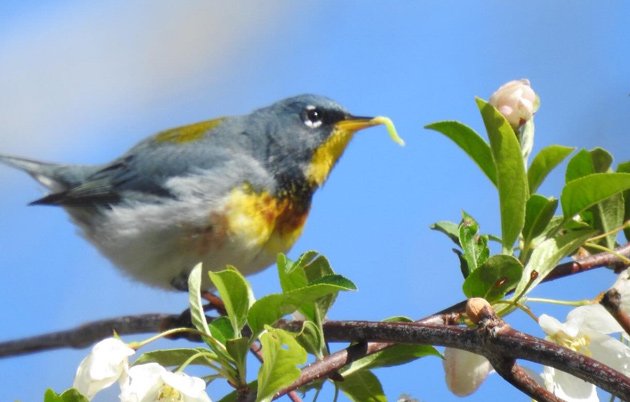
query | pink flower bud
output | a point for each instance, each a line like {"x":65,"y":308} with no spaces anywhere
{"x":517,"y":101}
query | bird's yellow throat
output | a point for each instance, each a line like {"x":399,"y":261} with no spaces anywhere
{"x":325,"y":157}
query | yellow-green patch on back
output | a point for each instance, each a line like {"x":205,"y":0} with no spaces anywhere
{"x":192,"y":132}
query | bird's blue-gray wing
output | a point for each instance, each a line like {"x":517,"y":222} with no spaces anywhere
{"x":144,"y":171}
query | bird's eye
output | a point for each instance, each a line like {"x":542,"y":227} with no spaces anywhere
{"x":313,"y":117}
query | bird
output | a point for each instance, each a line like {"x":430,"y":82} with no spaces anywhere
{"x":232,"y":190}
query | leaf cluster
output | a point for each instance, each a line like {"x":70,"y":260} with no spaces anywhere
{"x":309,"y":288}
{"x":534,"y":238}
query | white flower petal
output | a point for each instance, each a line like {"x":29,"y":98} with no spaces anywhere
{"x":192,"y":388}
{"x":586,"y":332}
{"x":568,"y":387}
{"x":144,"y":383}
{"x":611,"y":352}
{"x":106,"y":364}
{"x":594,"y":317}
{"x":552,"y":326}
{"x":149,"y":382}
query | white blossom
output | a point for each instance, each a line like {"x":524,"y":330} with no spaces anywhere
{"x":585,"y":331}
{"x":151,"y":382}
{"x":464,"y":371}
{"x":106,"y":364}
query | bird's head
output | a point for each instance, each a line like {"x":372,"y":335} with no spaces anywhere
{"x":309,"y":132}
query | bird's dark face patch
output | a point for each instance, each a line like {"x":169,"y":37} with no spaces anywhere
{"x":315,"y":117}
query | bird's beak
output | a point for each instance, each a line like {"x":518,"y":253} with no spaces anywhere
{"x":356,"y":123}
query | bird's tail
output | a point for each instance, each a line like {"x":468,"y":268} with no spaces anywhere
{"x":55,"y":177}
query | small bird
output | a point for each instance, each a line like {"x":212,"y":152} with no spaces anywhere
{"x":233,"y":190}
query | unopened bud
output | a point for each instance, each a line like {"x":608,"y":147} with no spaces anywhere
{"x":517,"y":101}
{"x":464,"y":371}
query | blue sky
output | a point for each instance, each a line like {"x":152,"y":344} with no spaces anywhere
{"x":82,"y":83}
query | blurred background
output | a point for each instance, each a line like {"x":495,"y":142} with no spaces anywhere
{"x":82,"y":82}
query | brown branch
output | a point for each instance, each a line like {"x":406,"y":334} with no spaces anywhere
{"x":591,"y":262}
{"x":481,"y":313}
{"x":452,"y":314}
{"x":612,"y":303}
{"x":500,"y":341}
{"x":89,"y":333}
{"x":86,"y":334}
{"x":520,"y":379}
{"x":580,"y":265}
{"x":506,"y":342}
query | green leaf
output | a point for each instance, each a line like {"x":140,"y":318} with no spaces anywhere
{"x":312,"y":269}
{"x":362,"y":386}
{"x":238,"y":350}
{"x":221,"y":329}
{"x":602,"y":160}
{"x":548,"y":254}
{"x":579,"y":166}
{"x":52,"y":396}
{"x":70,"y":395}
{"x":197,"y":315}
{"x":234,"y":395}
{"x":499,"y":274}
{"x":538,"y":214}
{"x":339,"y":281}
{"x":236,"y":295}
{"x":584,"y":192}
{"x":309,"y":268}
{"x":292,"y":276}
{"x":544,"y":162}
{"x":269,"y":309}
{"x":451,"y":229}
{"x":609,"y":215}
{"x":474,"y":246}
{"x":463,"y":264}
{"x":398,"y":318}
{"x":289,"y":272}
{"x":597,"y":160}
{"x":281,"y":356}
{"x":312,"y":339}
{"x":510,"y":172}
{"x":316,"y":268}
{"x":625,"y":168}
{"x":198,"y":318}
{"x":471,"y":143}
{"x":175,"y":357}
